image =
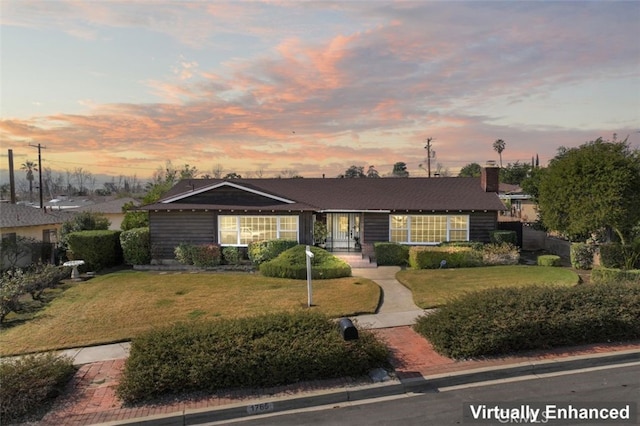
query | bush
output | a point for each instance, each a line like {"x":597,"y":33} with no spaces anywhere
{"x":206,"y":255}
{"x":231,"y":255}
{"x":582,"y":255}
{"x":601,"y":275}
{"x":12,"y":286}
{"x":500,"y":254}
{"x":136,"y":246}
{"x":84,"y":221}
{"x":505,"y":320}
{"x":292,"y":263}
{"x":184,"y":253}
{"x":269,"y":350}
{"x":29,"y":382}
{"x":43,"y":276}
{"x":499,"y":237}
{"x":263,"y":251}
{"x":548,"y":260}
{"x":98,"y":249}
{"x":391,"y":254}
{"x":616,"y":255}
{"x":425,"y":257}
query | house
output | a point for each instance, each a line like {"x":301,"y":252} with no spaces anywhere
{"x":520,"y":205}
{"x":357,"y":212}
{"x":111,"y":209}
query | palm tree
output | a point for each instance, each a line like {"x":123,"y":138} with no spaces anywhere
{"x":498,"y":146}
{"x":29,"y":167}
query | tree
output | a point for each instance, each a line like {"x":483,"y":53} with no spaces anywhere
{"x":515,"y":173}
{"x":498,"y":146}
{"x":400,"y":170}
{"x":470,"y":170}
{"x":29,"y":167}
{"x":84,"y":221}
{"x":354,"y":172}
{"x":594,"y":186}
{"x":372,"y":172}
{"x":232,"y":175}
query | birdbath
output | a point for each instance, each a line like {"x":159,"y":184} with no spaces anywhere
{"x":75,"y":275}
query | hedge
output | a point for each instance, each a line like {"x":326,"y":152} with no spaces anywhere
{"x":266,"y":250}
{"x":269,"y":350}
{"x":98,"y":249}
{"x":391,"y":254}
{"x":136,"y":246}
{"x":601,"y":275}
{"x":582,"y":255}
{"x":426,"y":257}
{"x":549,"y":260}
{"x":501,"y":321}
{"x":292,"y":263}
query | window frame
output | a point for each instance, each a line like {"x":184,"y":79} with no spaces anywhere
{"x":450,"y":228}
{"x":239,"y":226}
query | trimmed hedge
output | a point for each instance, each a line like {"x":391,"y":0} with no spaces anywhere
{"x":582,"y":255}
{"x":200,"y":255}
{"x":427,"y":257}
{"x":391,"y":254}
{"x":30,"y":383}
{"x":264,"y":251}
{"x":601,"y":275}
{"x":136,"y":246}
{"x":549,"y":260}
{"x":98,"y":249}
{"x":269,"y":350}
{"x":292,"y":263}
{"x":500,"y":321}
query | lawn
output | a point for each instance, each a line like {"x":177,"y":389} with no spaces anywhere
{"x":434,"y":287}
{"x":118,"y":306}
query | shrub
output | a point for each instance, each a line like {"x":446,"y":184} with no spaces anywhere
{"x":505,"y":320}
{"x":548,"y":260}
{"x":231,"y":255}
{"x":98,"y":249}
{"x":500,"y":254}
{"x":292,"y":263}
{"x":43,"y":276}
{"x":184,"y":253}
{"x":500,"y":236}
{"x":263,"y":251}
{"x":84,"y":221}
{"x":136,"y":246}
{"x":601,"y":275}
{"x":269,"y":350}
{"x":391,"y":254}
{"x":29,"y":382}
{"x":582,"y":255}
{"x":424,"y":257}
{"x":12,"y":286}
{"x":616,"y":255}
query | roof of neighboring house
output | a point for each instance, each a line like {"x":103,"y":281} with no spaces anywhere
{"x":108,"y":207}
{"x":318,"y":194}
{"x":15,"y":216}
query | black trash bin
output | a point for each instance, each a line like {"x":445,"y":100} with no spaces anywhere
{"x":347,"y":329}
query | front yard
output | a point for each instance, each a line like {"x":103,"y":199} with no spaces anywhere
{"x":434,"y":287}
{"x":119,"y":306}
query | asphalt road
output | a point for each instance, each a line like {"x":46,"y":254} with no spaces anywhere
{"x":445,"y":406}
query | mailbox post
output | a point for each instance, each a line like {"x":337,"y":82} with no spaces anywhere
{"x":309,"y":254}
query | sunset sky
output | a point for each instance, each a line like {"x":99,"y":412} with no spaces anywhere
{"x":119,"y":88}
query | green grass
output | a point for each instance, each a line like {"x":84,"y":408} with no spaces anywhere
{"x":119,"y":306}
{"x":434,"y":287}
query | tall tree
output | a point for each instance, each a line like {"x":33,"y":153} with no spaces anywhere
{"x":400,"y":170}
{"x":470,"y":170}
{"x":372,"y":172}
{"x":354,"y":172}
{"x":498,"y":146}
{"x":515,"y":173}
{"x":30,"y":167}
{"x":594,"y":186}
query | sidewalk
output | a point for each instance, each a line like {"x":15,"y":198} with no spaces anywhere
{"x":91,"y":399}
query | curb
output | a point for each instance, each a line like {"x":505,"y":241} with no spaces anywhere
{"x":378,"y":390}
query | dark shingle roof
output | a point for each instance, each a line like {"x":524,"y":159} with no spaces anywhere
{"x":438,"y":194}
{"x":109,"y":207}
{"x":15,"y":215}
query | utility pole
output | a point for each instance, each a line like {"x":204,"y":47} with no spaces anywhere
{"x":429,"y":155}
{"x":40,"y":171}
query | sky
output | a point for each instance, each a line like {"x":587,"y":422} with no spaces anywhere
{"x":256,"y":88}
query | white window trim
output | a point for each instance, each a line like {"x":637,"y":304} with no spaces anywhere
{"x":239,"y":228}
{"x":429,"y":243}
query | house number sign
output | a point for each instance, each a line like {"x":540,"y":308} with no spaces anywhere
{"x":265,"y":407}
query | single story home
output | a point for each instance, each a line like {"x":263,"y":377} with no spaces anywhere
{"x":357,"y":212}
{"x":111,"y":209}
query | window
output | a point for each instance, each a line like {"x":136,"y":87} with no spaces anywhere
{"x":428,"y":229}
{"x":242,"y":230}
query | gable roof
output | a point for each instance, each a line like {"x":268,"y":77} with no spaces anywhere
{"x":16,"y":216}
{"x":335,"y":194}
{"x":108,"y":207}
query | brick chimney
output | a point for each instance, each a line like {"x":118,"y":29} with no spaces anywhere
{"x":490,"y":178}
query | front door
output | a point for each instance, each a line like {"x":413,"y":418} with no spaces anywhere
{"x":344,"y":230}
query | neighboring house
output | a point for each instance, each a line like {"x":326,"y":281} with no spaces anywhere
{"x":520,"y":206}
{"x":357,"y":212}
{"x":111,"y":209}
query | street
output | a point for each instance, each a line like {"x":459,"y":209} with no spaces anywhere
{"x":445,"y":406}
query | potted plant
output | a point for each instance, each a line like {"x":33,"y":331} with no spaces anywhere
{"x":320,"y":233}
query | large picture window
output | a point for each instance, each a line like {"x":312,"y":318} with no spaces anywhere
{"x":428,"y":229}
{"x":242,"y":230}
